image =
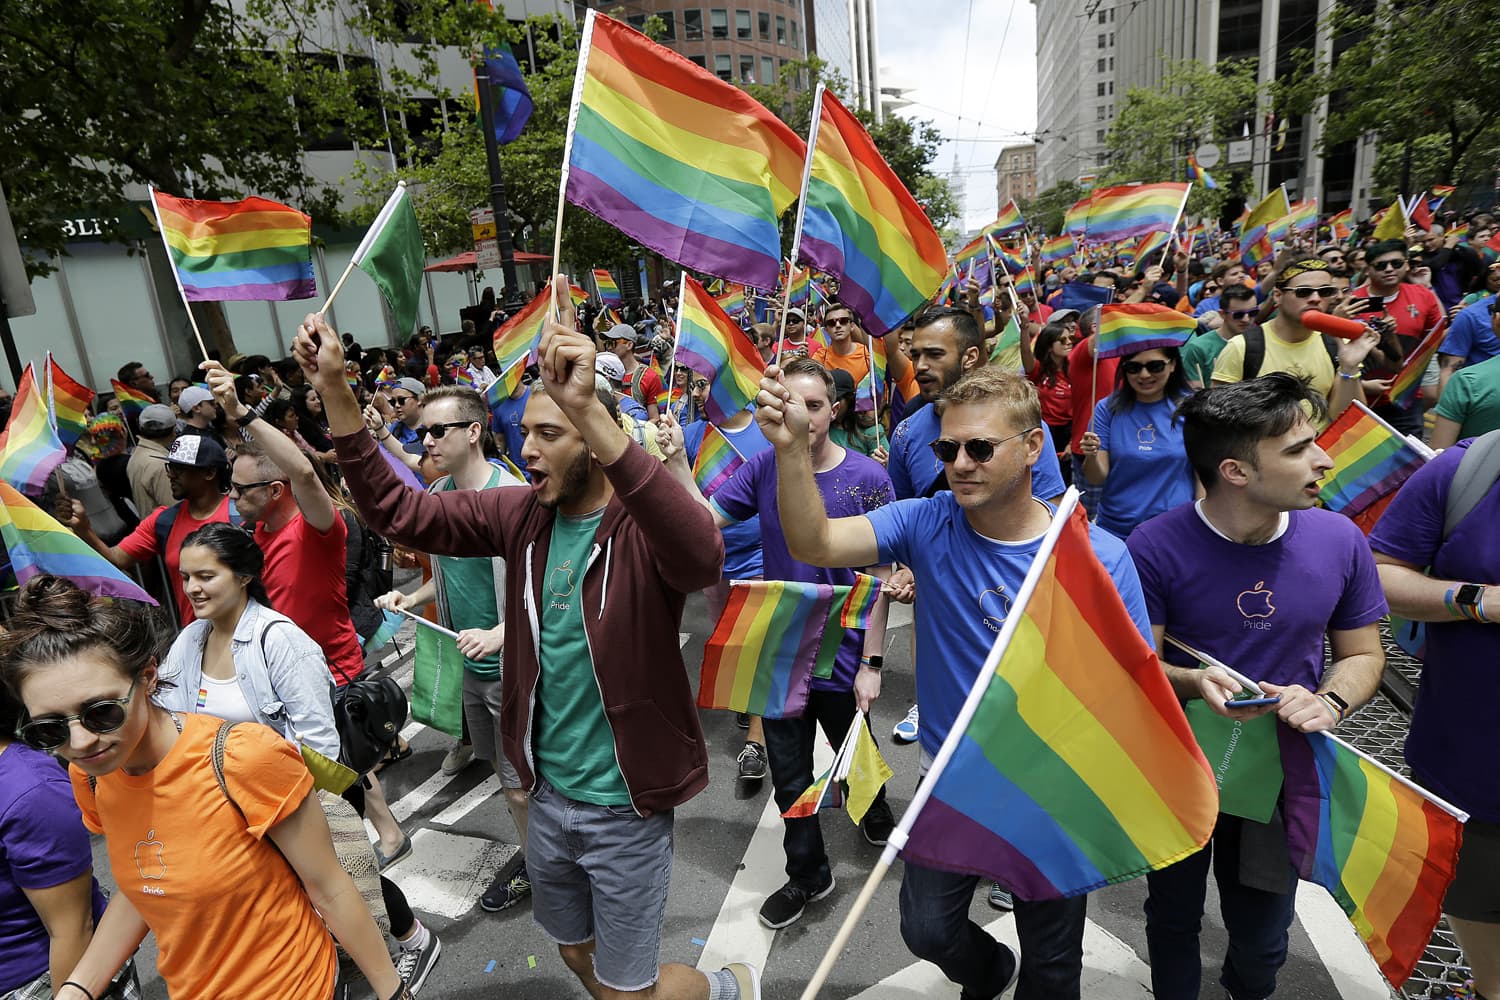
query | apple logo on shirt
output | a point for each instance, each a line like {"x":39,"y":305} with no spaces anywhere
{"x":1146,"y":436}
{"x":994,"y":605}
{"x":1255,"y":603}
{"x":148,"y":857}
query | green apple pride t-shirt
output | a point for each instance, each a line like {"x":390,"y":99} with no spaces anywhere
{"x":575,"y":748}
{"x":469,"y":584}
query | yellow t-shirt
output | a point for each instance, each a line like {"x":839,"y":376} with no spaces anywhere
{"x":1307,"y":360}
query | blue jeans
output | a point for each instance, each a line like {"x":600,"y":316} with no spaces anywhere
{"x":789,"y":746}
{"x":1089,"y":493}
{"x":935,"y":925}
{"x":1257,"y":922}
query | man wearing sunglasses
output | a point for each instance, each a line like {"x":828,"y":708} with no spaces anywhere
{"x":406,"y":403}
{"x":970,"y":550}
{"x":1414,"y":310}
{"x":1238,"y":310}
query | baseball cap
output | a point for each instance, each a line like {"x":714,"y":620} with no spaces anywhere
{"x":157,"y":417}
{"x":412,"y":386}
{"x":610,"y":366}
{"x":197,"y":451}
{"x":843,"y":383}
{"x":1058,"y":315}
{"x":794,"y":311}
{"x":192,"y":396}
{"x":622,"y":331}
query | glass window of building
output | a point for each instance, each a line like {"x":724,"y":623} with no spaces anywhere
{"x":796,"y":37}
{"x":747,"y":69}
{"x":767,"y":69}
{"x":669,"y":26}
{"x":765,"y":25}
{"x":724,"y":67}
{"x":719,"y":21}
{"x":742,"y":25}
{"x":702,"y":61}
{"x":692,"y":24}
{"x":780,"y":30}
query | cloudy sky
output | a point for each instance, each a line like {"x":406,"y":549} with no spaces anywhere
{"x":971,"y":67}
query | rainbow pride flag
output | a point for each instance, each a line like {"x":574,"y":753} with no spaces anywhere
{"x":1404,"y":387}
{"x":1195,"y":172}
{"x":823,"y":792}
{"x":1341,"y":224}
{"x":1118,"y":213}
{"x":1257,"y":239}
{"x":1304,"y":215}
{"x":38,"y":544}
{"x":1026,"y":282}
{"x":515,"y":342}
{"x":1130,"y":327}
{"x":609,"y":292}
{"x":1461,"y":231}
{"x":716,"y":461}
{"x":861,"y":224}
{"x":462,"y":376}
{"x":132,"y":401}
{"x":1385,"y":851}
{"x":1440,"y":194}
{"x":1010,"y":259}
{"x":386,"y":377}
{"x":971,"y":253}
{"x":250,"y":249}
{"x":800,"y":287}
{"x":732,"y":302}
{"x":29,"y":446}
{"x":1057,"y":250}
{"x":1370,"y":461}
{"x":67,"y":403}
{"x":1076,"y":218}
{"x":1078,"y":769}
{"x":682,"y":162}
{"x":713,"y":345}
{"x":1150,"y":244}
{"x":1008,"y":221}
{"x":860,"y":602}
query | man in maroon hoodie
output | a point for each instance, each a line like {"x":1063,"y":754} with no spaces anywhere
{"x":598,"y":716}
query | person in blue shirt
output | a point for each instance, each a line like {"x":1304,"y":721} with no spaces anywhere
{"x":970,"y":549}
{"x":1470,"y":339}
{"x":1134,"y":448}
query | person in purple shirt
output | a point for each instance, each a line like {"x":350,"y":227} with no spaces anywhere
{"x":1254,"y":576}
{"x":849,"y":484}
{"x":49,"y":900}
{"x":1445,"y":579}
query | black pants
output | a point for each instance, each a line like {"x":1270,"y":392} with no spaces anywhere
{"x":396,"y":906}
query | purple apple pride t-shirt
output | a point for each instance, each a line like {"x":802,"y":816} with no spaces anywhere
{"x":1451,"y":745}
{"x":42,"y":844}
{"x":1261,"y":609}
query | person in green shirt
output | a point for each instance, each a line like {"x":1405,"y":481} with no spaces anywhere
{"x":1470,"y":404}
{"x":1237,"y":310}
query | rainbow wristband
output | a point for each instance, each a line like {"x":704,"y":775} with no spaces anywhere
{"x":1453,"y":608}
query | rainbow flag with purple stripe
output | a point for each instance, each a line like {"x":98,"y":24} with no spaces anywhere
{"x":1057,"y":250}
{"x":1008,"y":221}
{"x":29,"y":446}
{"x":515,"y":343}
{"x":1304,"y":215}
{"x":716,"y":461}
{"x":1404,"y":387}
{"x":1118,"y":213}
{"x":801,"y":286}
{"x":711,"y":344}
{"x":822,"y":792}
{"x":861,"y":601}
{"x":462,"y":376}
{"x":38,"y":544}
{"x":252,"y":249}
{"x":68,"y":403}
{"x":609,"y":292}
{"x":1127,"y":328}
{"x":1370,"y":461}
{"x":132,"y":401}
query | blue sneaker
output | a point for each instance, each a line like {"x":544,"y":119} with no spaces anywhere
{"x":906,"y":730}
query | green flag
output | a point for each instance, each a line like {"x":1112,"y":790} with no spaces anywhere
{"x":1245,"y":757}
{"x":437,"y":682}
{"x":391,"y":254}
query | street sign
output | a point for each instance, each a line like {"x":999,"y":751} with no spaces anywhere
{"x":487,"y":254}
{"x":1241,"y":150}
{"x":1207,"y":156}
{"x":484,"y":231}
{"x":486,"y":247}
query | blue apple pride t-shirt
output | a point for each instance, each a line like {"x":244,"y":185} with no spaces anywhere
{"x":1262,"y":609}
{"x":1148,"y":465}
{"x":965,"y":585}
{"x":914,"y":468}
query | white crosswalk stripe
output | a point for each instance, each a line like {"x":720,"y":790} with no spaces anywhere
{"x":446,"y":873}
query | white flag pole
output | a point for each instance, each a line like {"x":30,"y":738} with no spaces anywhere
{"x":586,"y":44}
{"x":176,"y":278}
{"x":812,"y":145}
{"x":371,"y":234}
{"x":432,"y":625}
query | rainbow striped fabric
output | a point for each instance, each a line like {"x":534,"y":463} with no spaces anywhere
{"x":237,"y":250}
{"x":462,"y":376}
{"x":1118,"y":213}
{"x":1341,"y":224}
{"x":516,"y":340}
{"x":1130,"y":327}
{"x":682,"y":162}
{"x":1440,"y":194}
{"x":822,"y":792}
{"x":68,"y":403}
{"x":861,"y":224}
{"x":1195,"y":172}
{"x":800,"y":286}
{"x":1257,"y":242}
{"x":1150,"y":244}
{"x":38,"y":544}
{"x":1057,"y":250}
{"x":1370,"y":461}
{"x":860,"y":602}
{"x":732,"y":302}
{"x":716,"y":461}
{"x":1008,"y":221}
{"x":29,"y":446}
{"x":1385,"y":852}
{"x":1404,"y":387}
{"x":971,"y":253}
{"x":386,"y":377}
{"x":713,"y":345}
{"x":1304,"y":215}
{"x":770,"y":639}
{"x":1013,"y":260}
{"x":609,"y":292}
{"x":132,"y":401}
{"x":1079,"y":768}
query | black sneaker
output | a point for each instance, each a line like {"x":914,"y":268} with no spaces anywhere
{"x":878,"y":823}
{"x":1010,"y":980}
{"x":413,"y":964}
{"x":742,"y":719}
{"x":784,"y":906}
{"x":752,"y":761}
{"x":506,"y":891}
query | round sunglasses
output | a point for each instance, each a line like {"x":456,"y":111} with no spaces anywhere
{"x":99,"y":717}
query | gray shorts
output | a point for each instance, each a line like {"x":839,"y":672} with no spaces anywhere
{"x":600,"y":873}
{"x":482,"y":713}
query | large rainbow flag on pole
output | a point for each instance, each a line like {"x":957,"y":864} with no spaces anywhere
{"x":1370,"y":462}
{"x":1383,"y":847}
{"x":677,"y":159}
{"x":1132,"y":210}
{"x":38,"y":544}
{"x":1071,"y":765}
{"x":254,"y":248}
{"x":713,"y":345}
{"x":1139,"y":326}
{"x":515,"y":342}
{"x":1057,"y":250}
{"x":860,"y":223}
{"x":609,"y":292}
{"x":68,"y":403}
{"x":1008,"y":221}
{"x":29,"y":446}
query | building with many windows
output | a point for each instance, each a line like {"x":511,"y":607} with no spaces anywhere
{"x":1015,"y":174}
{"x":844,"y":34}
{"x":745,"y":41}
{"x":1075,"y":58}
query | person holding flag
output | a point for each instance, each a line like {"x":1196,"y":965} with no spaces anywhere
{"x":1415,"y":312}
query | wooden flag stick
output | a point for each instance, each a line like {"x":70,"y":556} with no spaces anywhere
{"x":846,"y":930}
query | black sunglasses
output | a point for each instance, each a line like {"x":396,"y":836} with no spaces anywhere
{"x":980,"y":450}
{"x":402,"y":400}
{"x":438,"y":431}
{"x":1136,"y":367}
{"x":698,"y":384}
{"x":1322,"y":291}
{"x":241,"y":488}
{"x":98,"y":717}
{"x":1387,"y":265}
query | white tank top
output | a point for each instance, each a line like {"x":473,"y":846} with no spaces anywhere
{"x":223,"y":699}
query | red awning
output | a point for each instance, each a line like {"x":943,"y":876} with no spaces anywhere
{"x":466,"y":261}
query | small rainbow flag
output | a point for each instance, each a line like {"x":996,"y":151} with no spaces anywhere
{"x":861,"y":601}
{"x":1341,"y":224}
{"x":861,"y":224}
{"x":824,"y":791}
{"x":1461,"y":231}
{"x":1008,"y":221}
{"x":1304,"y":215}
{"x":1150,"y":244}
{"x":679,"y":160}
{"x":515,"y":342}
{"x":1257,"y":232}
{"x":1057,"y":250}
{"x":1195,"y":172}
{"x":1440,"y":193}
{"x":1404,"y":387}
{"x":1026,"y":282}
{"x":462,"y":376}
{"x":1385,"y":851}
{"x":1011,"y":259}
{"x":609,"y":292}
{"x":971,"y":253}
{"x":29,"y":445}
{"x":38,"y":544}
{"x":252,"y":249}
{"x":711,"y":344}
{"x":771,"y":638}
{"x":385,"y":378}
{"x":732,"y":301}
{"x":1370,"y":461}
{"x":800,"y":287}
{"x":68,"y":402}
{"x":1128,"y":328}
{"x":1078,"y":769}
{"x":132,"y":401}
{"x":716,"y":462}
{"x":1118,"y":213}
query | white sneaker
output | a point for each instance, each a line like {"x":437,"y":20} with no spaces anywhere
{"x":458,"y":758}
{"x":907,"y":729}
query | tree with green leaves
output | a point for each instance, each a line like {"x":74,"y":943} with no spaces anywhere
{"x":1044,"y":213}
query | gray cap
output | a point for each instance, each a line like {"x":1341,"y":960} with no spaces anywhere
{"x":624,"y":331}
{"x":157,"y":418}
{"x":412,"y":386}
{"x":192,"y":396}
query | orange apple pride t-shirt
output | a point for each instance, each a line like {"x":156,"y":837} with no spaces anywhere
{"x":230,"y":916}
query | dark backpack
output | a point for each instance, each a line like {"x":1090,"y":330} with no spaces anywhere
{"x":1255,"y":351}
{"x":368,"y":575}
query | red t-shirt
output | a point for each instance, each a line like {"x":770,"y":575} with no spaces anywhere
{"x":651,"y":385}
{"x":304,"y":577}
{"x":1056,"y":394}
{"x":140,"y":545}
{"x":1415,"y":310}
{"x":1041,"y":314}
{"x":1081,"y":377}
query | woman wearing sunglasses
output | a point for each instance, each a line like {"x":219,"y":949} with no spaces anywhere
{"x":1046,"y":365}
{"x":239,"y":884}
{"x":1134,"y":448}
